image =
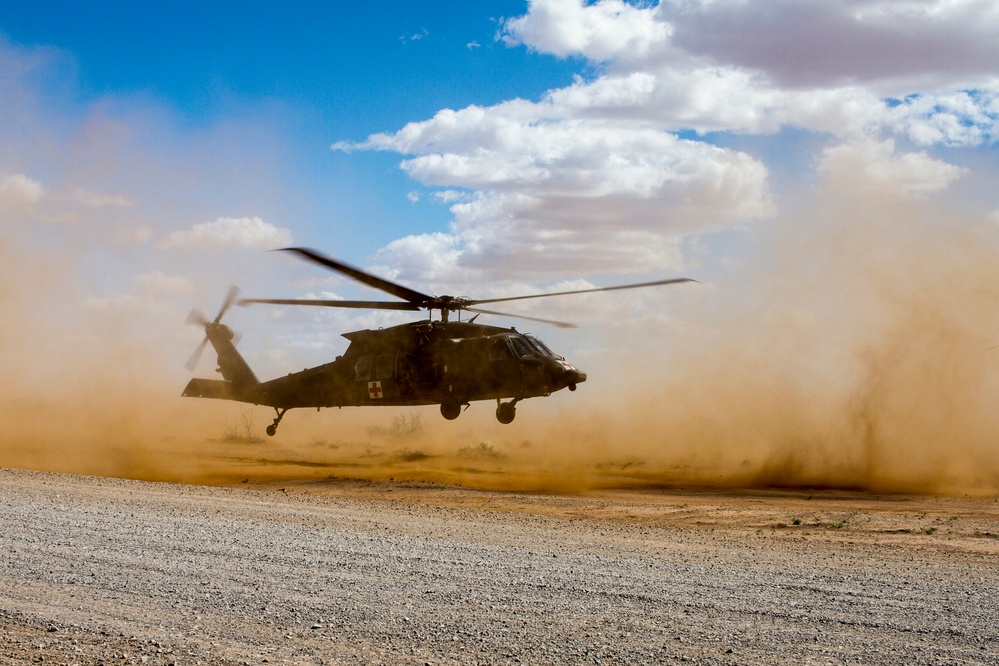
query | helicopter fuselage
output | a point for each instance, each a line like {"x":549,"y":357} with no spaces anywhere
{"x":420,"y":363}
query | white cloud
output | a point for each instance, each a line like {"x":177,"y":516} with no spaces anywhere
{"x":957,"y":118}
{"x":555,"y":193}
{"x":503,"y":150}
{"x":244,"y":232}
{"x":875,"y":167}
{"x":604,"y":30}
{"x":756,"y":65}
{"x":18,"y":193}
{"x":450,"y":196}
{"x":717,"y":99}
{"x":892,"y":45}
{"x":596,"y":176}
{"x":427,"y":258}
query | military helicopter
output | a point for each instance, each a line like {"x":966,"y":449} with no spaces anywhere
{"x":443,"y":362}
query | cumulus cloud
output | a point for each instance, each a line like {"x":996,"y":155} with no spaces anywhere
{"x":888,"y":46}
{"x":756,"y":66}
{"x":892,"y":45}
{"x":954,"y":118}
{"x":717,"y":100}
{"x":584,"y":194}
{"x":600,"y":31}
{"x":874,"y":167}
{"x":243,"y":232}
{"x":618,"y":168}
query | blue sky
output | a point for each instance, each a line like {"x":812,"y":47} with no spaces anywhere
{"x":824,"y":169}
{"x":314,"y":73}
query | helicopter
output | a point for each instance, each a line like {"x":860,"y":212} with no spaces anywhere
{"x":426,"y":362}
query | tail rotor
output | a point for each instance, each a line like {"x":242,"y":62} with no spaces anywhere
{"x":198,"y":318}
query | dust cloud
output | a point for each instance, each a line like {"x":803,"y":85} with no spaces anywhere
{"x":853,"y":353}
{"x":850,"y":349}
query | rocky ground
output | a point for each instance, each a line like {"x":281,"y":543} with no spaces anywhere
{"x":107,"y":571}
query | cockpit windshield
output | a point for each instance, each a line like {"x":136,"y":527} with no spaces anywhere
{"x":541,"y":347}
{"x":522,"y":346}
{"x":525,"y":345}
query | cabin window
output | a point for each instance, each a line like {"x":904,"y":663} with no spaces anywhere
{"x":500,"y":351}
{"x":362,"y":369}
{"x":385,"y":366}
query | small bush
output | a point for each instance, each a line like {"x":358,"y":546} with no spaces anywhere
{"x":403,"y":425}
{"x":408,"y":455}
{"x":241,"y":429}
{"x":480,"y":450}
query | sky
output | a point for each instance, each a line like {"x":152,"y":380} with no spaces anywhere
{"x":824,"y":169}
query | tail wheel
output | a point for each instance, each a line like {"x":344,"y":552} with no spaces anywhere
{"x":272,"y":428}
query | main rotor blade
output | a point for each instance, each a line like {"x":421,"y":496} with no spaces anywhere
{"x":398,"y":290}
{"x":582,"y":291}
{"x":560,"y":324}
{"x":368,"y":305}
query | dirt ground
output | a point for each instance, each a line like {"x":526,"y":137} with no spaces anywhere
{"x":104,"y":567}
{"x":109,"y":571}
{"x":920,"y":523}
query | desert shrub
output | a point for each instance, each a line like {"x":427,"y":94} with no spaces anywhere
{"x":240,"y":429}
{"x":403,"y":425}
{"x":408,"y":455}
{"x":480,"y":450}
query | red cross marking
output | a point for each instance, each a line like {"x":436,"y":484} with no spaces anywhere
{"x":374,"y":390}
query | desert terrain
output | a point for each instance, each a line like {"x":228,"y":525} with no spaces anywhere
{"x":323,"y":568}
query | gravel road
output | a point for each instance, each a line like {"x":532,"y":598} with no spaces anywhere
{"x":108,"y":571}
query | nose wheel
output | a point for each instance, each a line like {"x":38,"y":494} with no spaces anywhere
{"x":506,"y":411}
{"x":272,"y":428}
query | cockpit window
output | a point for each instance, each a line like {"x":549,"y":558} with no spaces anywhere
{"x":542,"y":347}
{"x":523,"y":347}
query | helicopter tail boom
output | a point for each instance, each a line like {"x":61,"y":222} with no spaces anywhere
{"x":209,"y":388}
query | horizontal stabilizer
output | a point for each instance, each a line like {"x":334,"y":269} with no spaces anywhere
{"x":209,"y":388}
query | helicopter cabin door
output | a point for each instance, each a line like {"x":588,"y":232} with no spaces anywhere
{"x":377,"y":377}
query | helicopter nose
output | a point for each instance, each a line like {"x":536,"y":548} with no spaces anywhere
{"x":571,"y":375}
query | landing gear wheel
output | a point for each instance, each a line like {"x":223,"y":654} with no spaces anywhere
{"x":272,"y":428}
{"x":450,"y":409}
{"x":506,"y":411}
